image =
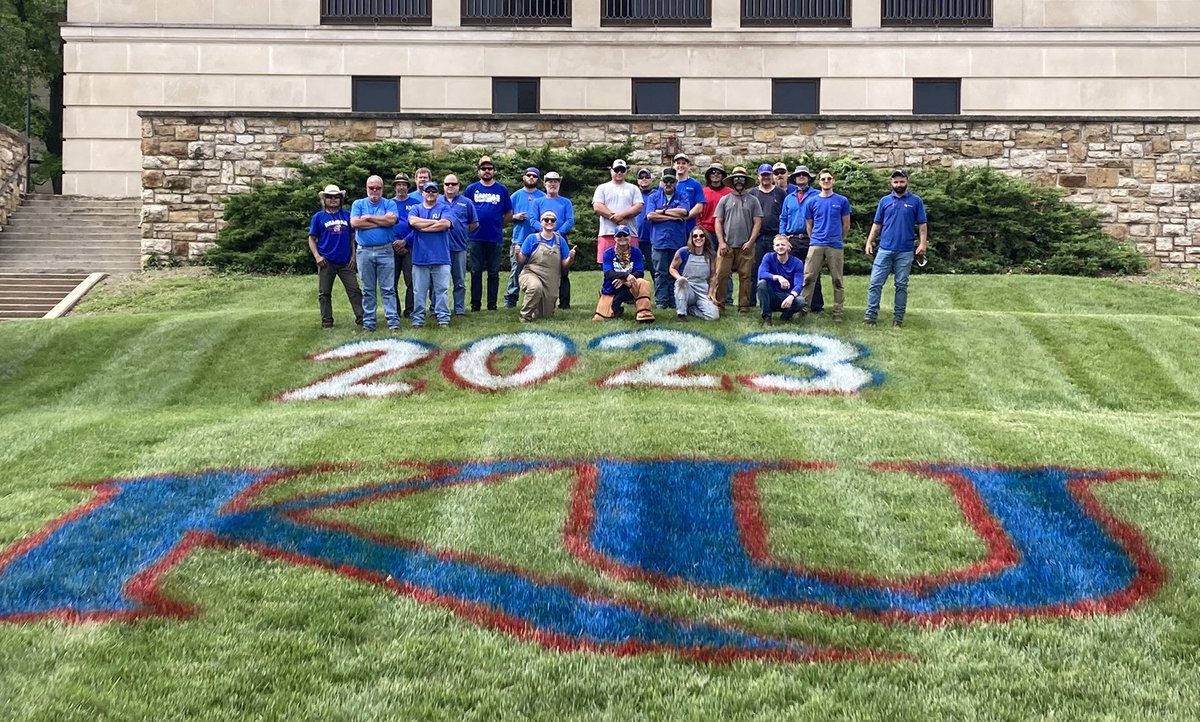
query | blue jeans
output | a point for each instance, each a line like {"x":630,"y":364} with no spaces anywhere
{"x":458,"y":275}
{"x":377,"y":264}
{"x":485,"y":256}
{"x":894,"y":262}
{"x":426,"y":278}
{"x":664,"y":285}
{"x":513,"y":291}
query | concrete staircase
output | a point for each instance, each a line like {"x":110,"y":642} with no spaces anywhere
{"x":57,"y":247}
{"x":60,"y":234}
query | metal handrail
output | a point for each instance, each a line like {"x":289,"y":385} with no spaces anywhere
{"x":936,"y":13}
{"x":655,"y":13}
{"x":547,"y":13}
{"x":765,"y":13}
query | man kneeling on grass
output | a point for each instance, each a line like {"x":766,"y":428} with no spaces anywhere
{"x":623,"y":270}
{"x":780,"y":278}
{"x":331,"y":247}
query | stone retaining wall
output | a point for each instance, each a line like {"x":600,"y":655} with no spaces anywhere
{"x":1142,"y":174}
{"x":13,"y":149}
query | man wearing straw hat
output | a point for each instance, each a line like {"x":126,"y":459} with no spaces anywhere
{"x":331,"y":247}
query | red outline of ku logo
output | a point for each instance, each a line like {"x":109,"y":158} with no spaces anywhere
{"x":682,"y":523}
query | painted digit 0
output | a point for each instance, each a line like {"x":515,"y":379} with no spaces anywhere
{"x":386,"y":356}
{"x":545,"y":355}
{"x":831,"y":360}
{"x":667,"y":369}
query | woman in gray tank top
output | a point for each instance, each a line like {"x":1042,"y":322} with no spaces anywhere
{"x":694,"y":269}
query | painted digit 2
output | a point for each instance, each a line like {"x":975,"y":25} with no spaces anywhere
{"x":386,"y":356}
{"x":831,"y":360}
{"x":681,"y":350}
{"x":545,"y":355}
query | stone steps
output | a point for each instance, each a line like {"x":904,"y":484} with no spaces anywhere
{"x":42,"y":295}
{"x":57,"y":233}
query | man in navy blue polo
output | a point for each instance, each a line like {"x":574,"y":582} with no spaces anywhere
{"x":897,"y":214}
{"x":493,"y":206}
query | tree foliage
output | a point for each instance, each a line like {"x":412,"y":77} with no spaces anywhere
{"x":31,"y":59}
{"x":981,"y":220}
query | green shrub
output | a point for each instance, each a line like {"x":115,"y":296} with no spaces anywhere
{"x":981,"y":220}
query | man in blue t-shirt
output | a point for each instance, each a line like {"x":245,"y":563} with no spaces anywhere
{"x":430,"y":221}
{"x":793,"y":225}
{"x":564,"y":210}
{"x":525,"y":221}
{"x":667,"y":211}
{"x":462,"y":221}
{"x":373,"y":218}
{"x":331,"y":245}
{"x":493,"y":206}
{"x":685,"y":183}
{"x":780,"y":278}
{"x":641,"y":226}
{"x":895,"y":218}
{"x":400,"y":231}
{"x":827,"y":219}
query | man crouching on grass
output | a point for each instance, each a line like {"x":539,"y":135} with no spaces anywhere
{"x":780,"y":278}
{"x":331,"y":247}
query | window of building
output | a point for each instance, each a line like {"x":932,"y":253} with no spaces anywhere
{"x":656,"y":13}
{"x":655,"y":96}
{"x":515,"y":95}
{"x":774,"y":13}
{"x":373,"y":94}
{"x":376,"y":12}
{"x":797,"y":96}
{"x":937,"y":96}
{"x":516,"y":12}
{"x":939,"y":13}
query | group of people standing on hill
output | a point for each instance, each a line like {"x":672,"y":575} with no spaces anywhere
{"x":676,"y":244}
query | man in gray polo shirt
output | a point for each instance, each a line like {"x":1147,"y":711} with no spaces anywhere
{"x":737,"y":221}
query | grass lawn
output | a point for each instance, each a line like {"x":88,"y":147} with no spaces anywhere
{"x":873,"y":570}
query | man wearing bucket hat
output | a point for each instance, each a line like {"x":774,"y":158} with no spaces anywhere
{"x":714,"y":191}
{"x":738,"y":219}
{"x":793,"y":225}
{"x":332,"y":248}
{"x":895,"y":217}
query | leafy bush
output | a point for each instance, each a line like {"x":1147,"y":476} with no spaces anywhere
{"x":981,"y":220}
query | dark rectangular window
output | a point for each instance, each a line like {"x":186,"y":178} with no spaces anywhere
{"x":515,"y":95}
{"x":796,"y":96}
{"x":936,"y":96}
{"x":527,"y":13}
{"x":371,"y":94}
{"x":773,"y":13}
{"x":655,"y":96}
{"x":376,"y":12}
{"x":660,"y":13}
{"x":940,"y":13}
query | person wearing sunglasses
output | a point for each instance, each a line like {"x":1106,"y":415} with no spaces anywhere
{"x":463,"y":220}
{"x":666,"y":213}
{"x":738,"y":218}
{"x":543,"y":257}
{"x":372,"y":219}
{"x":525,"y":222}
{"x":624,"y":269}
{"x":793,"y":225}
{"x":617,"y":203}
{"x":827,"y":219}
{"x":404,"y":201}
{"x":430,"y":221}
{"x":493,"y":207}
{"x":694,"y":269}
{"x":564,"y":211}
{"x":332,"y":248}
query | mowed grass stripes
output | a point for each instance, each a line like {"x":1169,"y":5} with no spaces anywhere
{"x":180,"y":373}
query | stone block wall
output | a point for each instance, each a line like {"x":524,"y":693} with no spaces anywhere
{"x":13,"y":149}
{"x":1143,"y":174}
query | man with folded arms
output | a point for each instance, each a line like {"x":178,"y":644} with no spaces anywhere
{"x":430,"y":221}
{"x":372,"y":219}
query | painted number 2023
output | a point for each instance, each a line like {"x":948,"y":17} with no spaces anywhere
{"x":831,"y":364}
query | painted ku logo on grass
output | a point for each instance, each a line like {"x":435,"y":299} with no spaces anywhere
{"x":686,"y":523}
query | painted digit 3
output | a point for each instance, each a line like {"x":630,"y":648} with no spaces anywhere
{"x":831,"y":361}
{"x":545,"y":355}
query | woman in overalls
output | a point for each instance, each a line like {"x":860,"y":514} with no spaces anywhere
{"x":545,"y":255}
{"x":694,"y":269}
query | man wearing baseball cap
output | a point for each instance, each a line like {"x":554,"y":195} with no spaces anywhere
{"x":668,"y":210}
{"x":525,"y":223}
{"x":641,"y":226}
{"x":331,"y":247}
{"x":895,"y":217}
{"x":771,"y":198}
{"x":493,"y":206}
{"x":401,"y":232}
{"x":780,"y":171}
{"x":430,"y":221}
{"x":616,"y":203}
{"x":685,"y":183}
